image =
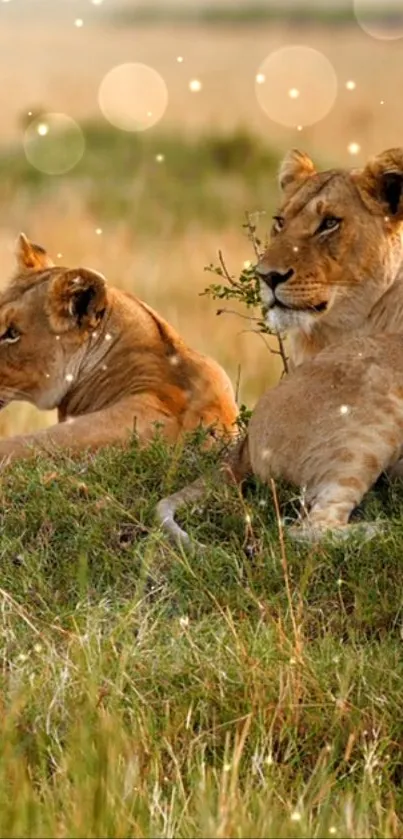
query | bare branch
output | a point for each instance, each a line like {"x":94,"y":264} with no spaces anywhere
{"x":252,"y":235}
{"x":238,"y":314}
{"x":227,"y":274}
{"x":282,"y":352}
{"x":281,"y":348}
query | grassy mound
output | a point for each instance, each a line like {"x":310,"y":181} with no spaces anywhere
{"x":246,"y":691}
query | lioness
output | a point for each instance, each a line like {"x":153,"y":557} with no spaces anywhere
{"x":105,"y":360}
{"x":330,"y":427}
{"x":333,"y":269}
{"x":334,"y":264}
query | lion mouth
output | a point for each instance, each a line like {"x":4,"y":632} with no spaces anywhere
{"x":320,"y":307}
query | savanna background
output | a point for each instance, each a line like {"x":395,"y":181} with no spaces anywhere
{"x":168,"y":198}
{"x":254,"y":690}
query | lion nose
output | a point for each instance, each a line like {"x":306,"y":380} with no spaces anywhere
{"x":274,"y":278}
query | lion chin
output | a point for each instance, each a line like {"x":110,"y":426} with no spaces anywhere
{"x":286,"y":320}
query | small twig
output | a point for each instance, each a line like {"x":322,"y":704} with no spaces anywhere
{"x":284,"y":358}
{"x":252,"y":235}
{"x":227,"y":274}
{"x":238,"y":314}
{"x":262,"y":336}
{"x":279,"y":352}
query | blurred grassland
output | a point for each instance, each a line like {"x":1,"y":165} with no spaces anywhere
{"x":210,"y":179}
{"x":339,"y":13}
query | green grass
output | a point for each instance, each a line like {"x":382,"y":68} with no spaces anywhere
{"x":235,"y":693}
{"x":252,"y":13}
{"x":209,"y":179}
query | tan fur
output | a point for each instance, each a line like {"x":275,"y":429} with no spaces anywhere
{"x":330,"y":428}
{"x":104,"y":359}
{"x":339,"y":282}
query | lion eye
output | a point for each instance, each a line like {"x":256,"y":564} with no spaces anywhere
{"x":278,"y":223}
{"x":11,"y":336}
{"x":329,"y":223}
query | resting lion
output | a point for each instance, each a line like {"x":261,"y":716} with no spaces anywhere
{"x":333,"y":269}
{"x":334,"y":264}
{"x":105,"y":360}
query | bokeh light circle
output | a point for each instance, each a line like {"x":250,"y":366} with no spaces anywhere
{"x":54,"y":143}
{"x":296,"y":85}
{"x":385,"y":24}
{"x":133,"y":97}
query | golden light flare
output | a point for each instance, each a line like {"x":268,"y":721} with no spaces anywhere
{"x":296,"y":86}
{"x":133,"y":97}
{"x":54,"y":143}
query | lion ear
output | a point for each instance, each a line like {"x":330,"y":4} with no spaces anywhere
{"x":380,"y":183}
{"x":77,"y":298}
{"x":295,"y":168}
{"x":31,"y":257}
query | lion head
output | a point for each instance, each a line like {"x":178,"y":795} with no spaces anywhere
{"x":336,"y":244}
{"x":46,"y":315}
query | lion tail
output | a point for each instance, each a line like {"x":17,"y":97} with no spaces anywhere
{"x":167,"y":508}
{"x":235,"y":468}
